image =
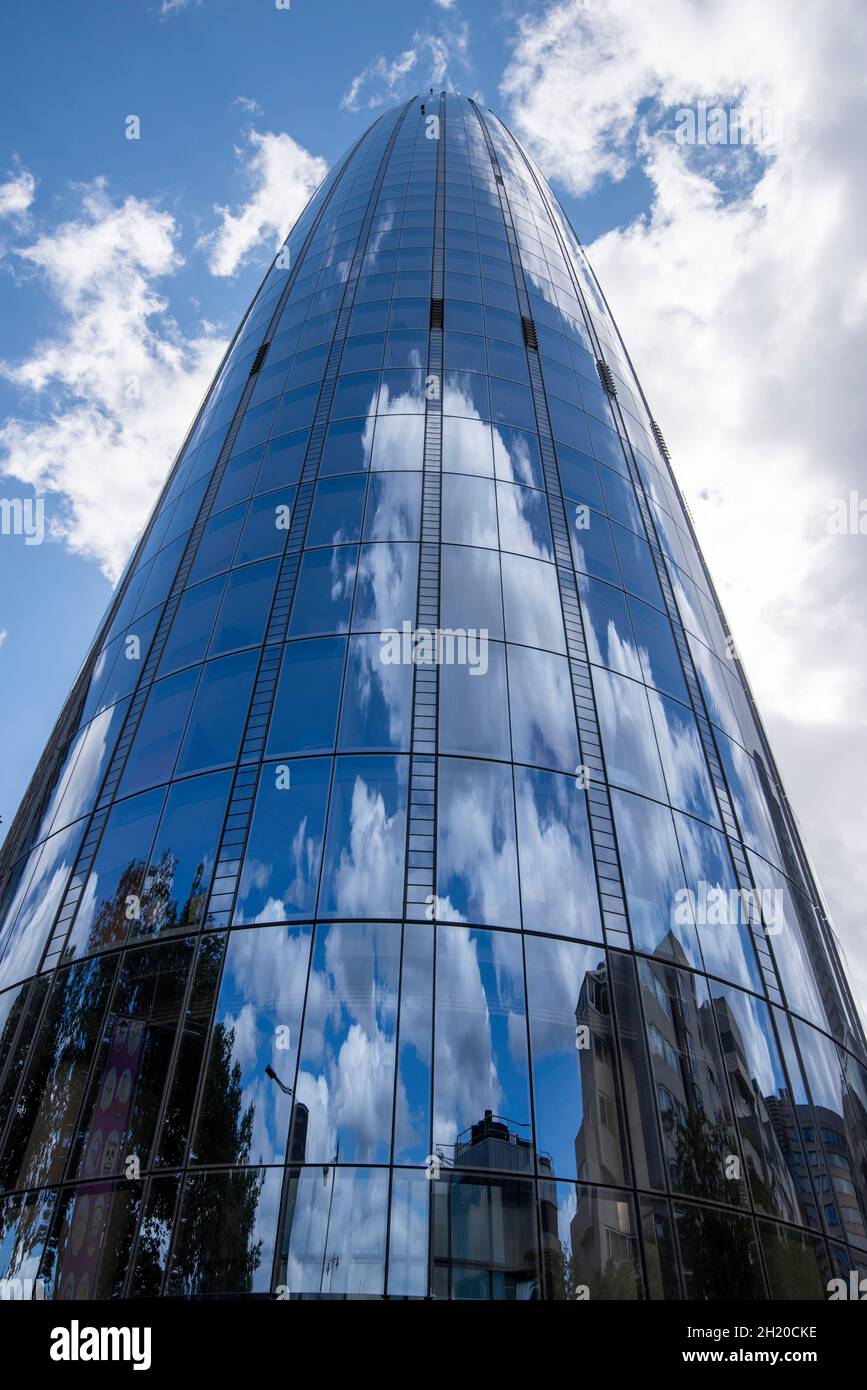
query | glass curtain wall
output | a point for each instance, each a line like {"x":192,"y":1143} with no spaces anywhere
{"x":406,"y":904}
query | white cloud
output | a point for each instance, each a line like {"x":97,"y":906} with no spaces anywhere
{"x":741,"y":295}
{"x":17,"y":193}
{"x":117,"y":384}
{"x":427,"y":63}
{"x":284,"y":176}
{"x":3,"y":635}
{"x":445,"y":4}
{"x":386,"y":76}
{"x":248,"y":104}
{"x":173,"y":6}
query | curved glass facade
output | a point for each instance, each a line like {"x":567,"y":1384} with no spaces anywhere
{"x":406,"y":904}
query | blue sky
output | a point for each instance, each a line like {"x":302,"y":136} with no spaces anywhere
{"x":738,"y":277}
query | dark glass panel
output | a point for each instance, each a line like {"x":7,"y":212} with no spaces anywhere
{"x":115,"y":887}
{"x":43,"y":1123}
{"x":484,"y":1241}
{"x":590,"y":1244}
{"x":719,"y":1255}
{"x":225,"y":1234}
{"x":304,"y":719}
{"x":216,"y":723}
{"x":117,"y":1124}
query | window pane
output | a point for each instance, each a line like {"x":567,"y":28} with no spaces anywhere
{"x":477,"y":873}
{"x":363,"y":874}
{"x":558,"y":884}
{"x":281,"y":863}
{"x":247,"y":1099}
{"x":345,"y":1086}
{"x":304,"y":719}
{"x":480,"y":1069}
{"x":217,"y":719}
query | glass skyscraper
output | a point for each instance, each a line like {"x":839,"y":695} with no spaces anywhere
{"x":406,"y":903}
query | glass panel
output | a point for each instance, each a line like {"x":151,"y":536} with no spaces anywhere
{"x":43,"y":1124}
{"x":117,"y":1122}
{"x":280,"y":875}
{"x":345,"y":1087}
{"x":589,"y":1244}
{"x":481,"y":1095}
{"x":225,"y":1234}
{"x":216,"y":724}
{"x":576,"y":1084}
{"x":477,"y":874}
{"x":485,"y":1241}
{"x":304,"y":719}
{"x":333,"y":1236}
{"x":248,"y":1096}
{"x":116,"y":878}
{"x":719,"y":1254}
{"x":363,"y":872}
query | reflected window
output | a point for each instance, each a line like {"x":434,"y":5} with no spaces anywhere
{"x":337,"y":508}
{"x":631,"y":754}
{"x":469,"y":512}
{"x":363,"y":872}
{"x":484,"y":1238}
{"x":576,"y":1082}
{"x":159,"y":733}
{"x":531,"y":600}
{"x":333,"y":1235}
{"x":115,"y":885}
{"x":345,"y":1086}
{"x":323,"y":598}
{"x":387,"y":588}
{"x":471,"y":590}
{"x":225,"y":1234}
{"x":280,"y":875}
{"x":589,"y":1244}
{"x":191,"y":629}
{"x":474,"y":716}
{"x":558,"y":884}
{"x":217,"y":719}
{"x":182,"y":859}
{"x":482,"y":1089}
{"x":477,"y":872}
{"x":245,"y":609}
{"x":304,"y":719}
{"x":248,"y":1095}
{"x":541,"y":709}
{"x":393,"y":507}
{"x":377,"y":699}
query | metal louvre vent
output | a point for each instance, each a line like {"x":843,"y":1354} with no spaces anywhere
{"x":261,"y":354}
{"x":530,"y":339}
{"x":660,"y":441}
{"x":436,"y":313}
{"x":606,"y":376}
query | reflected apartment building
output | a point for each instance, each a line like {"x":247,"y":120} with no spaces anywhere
{"x":339,"y":955}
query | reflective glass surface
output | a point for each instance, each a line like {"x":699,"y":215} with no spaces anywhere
{"x":407,"y":904}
